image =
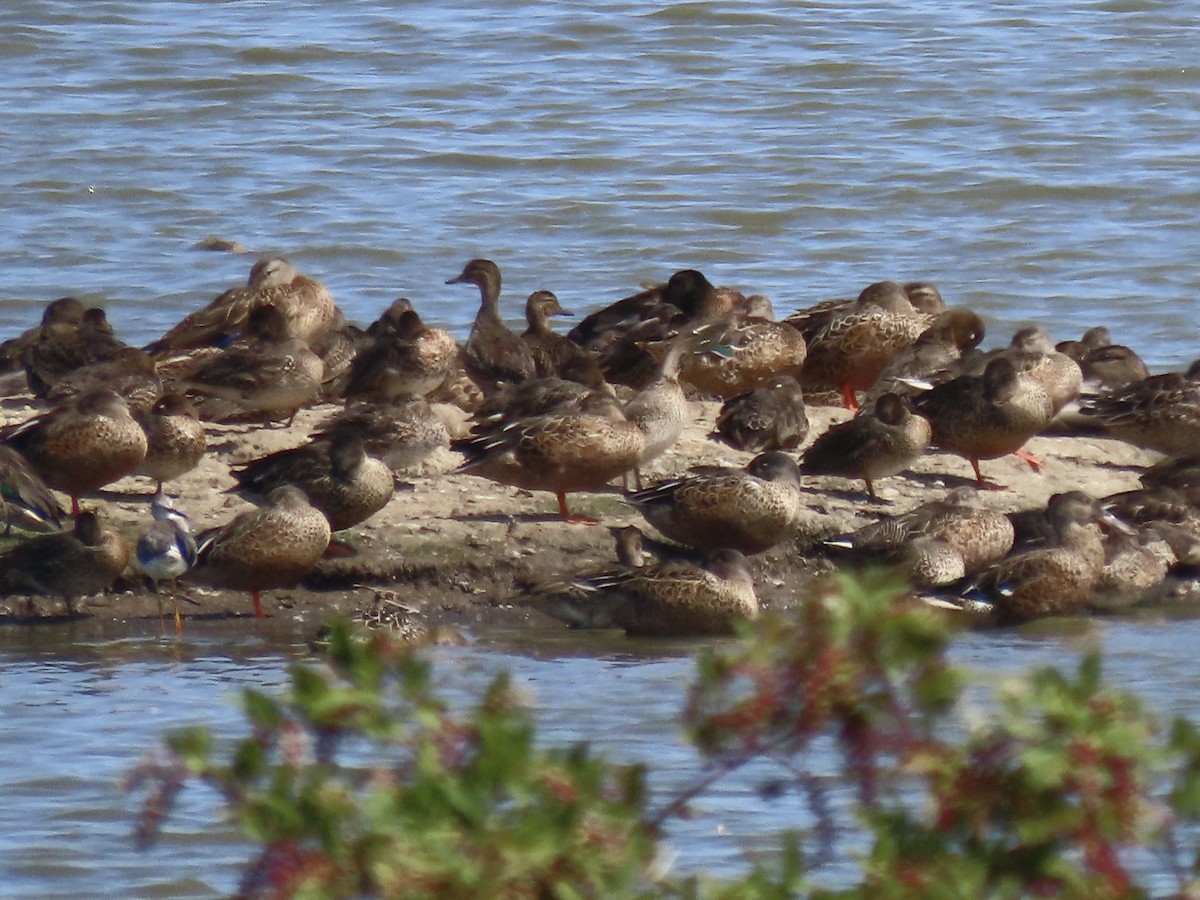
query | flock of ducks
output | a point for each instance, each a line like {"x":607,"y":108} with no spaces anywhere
{"x":575,"y":412}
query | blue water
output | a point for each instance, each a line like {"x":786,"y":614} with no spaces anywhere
{"x":1035,"y":161}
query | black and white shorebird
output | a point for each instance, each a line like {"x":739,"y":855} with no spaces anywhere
{"x":166,"y":549}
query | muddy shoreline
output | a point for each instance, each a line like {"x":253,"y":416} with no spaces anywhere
{"x":450,"y":551}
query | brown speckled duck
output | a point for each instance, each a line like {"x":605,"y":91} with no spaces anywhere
{"x":554,"y":353}
{"x":937,"y":543}
{"x":337,"y":475}
{"x":856,"y":344}
{"x":872,"y":445}
{"x":306,"y":306}
{"x":1161,"y":412}
{"x":672,"y":599}
{"x":68,"y":565}
{"x":175,"y":438}
{"x":617,"y":333}
{"x":130,"y":372}
{"x":1048,"y":581}
{"x":770,"y":417}
{"x":985,"y":416}
{"x":63,"y":314}
{"x":578,"y":449}
{"x":270,"y":374}
{"x":272,"y":546}
{"x":83,"y":444}
{"x":62,"y":349}
{"x":494,"y":353}
{"x":930,"y":359}
{"x":750,"y":511}
{"x":402,"y":434}
{"x":660,"y":409}
{"x":405,"y":358}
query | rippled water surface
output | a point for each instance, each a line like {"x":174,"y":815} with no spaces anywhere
{"x":1036,"y":161}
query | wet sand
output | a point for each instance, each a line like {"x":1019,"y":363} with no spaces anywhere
{"x":453,"y":549}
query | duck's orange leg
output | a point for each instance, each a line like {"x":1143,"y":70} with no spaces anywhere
{"x":566,"y":516}
{"x":258,"y":610}
{"x":984,"y":483}
{"x":1034,"y":463}
{"x":849,"y":398}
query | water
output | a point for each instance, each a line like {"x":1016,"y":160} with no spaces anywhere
{"x":1036,"y":162}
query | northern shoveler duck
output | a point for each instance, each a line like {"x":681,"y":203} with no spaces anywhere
{"x":165,"y":550}
{"x":985,"y":416}
{"x":402,"y":434}
{"x":931,"y":358}
{"x":871,"y":445}
{"x":1135,"y":566}
{"x":62,"y":350}
{"x":617,"y":333}
{"x":1055,"y":580}
{"x":336,"y":474}
{"x":750,"y":510}
{"x":856,"y":345}
{"x":937,"y":543}
{"x":270,"y":374}
{"x":770,"y":417}
{"x":673,"y":599}
{"x":405,"y":358}
{"x":554,"y":353}
{"x":579,"y":449}
{"x":130,"y":372}
{"x":272,"y":546}
{"x":1161,"y":412}
{"x":494,"y":353}
{"x":175,"y":438}
{"x":306,"y":306}
{"x":68,"y":565}
{"x":83,"y":444}
{"x":1106,"y":366}
{"x":24,"y":495}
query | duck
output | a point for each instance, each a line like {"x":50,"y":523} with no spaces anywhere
{"x":305,"y":304}
{"x":494,"y":353}
{"x":63,"y":349}
{"x":737,"y":352}
{"x":554,"y":353}
{"x":166,"y":549}
{"x":25,"y":496}
{"x":1033,"y":353}
{"x":671,"y":599}
{"x":953,"y":334}
{"x":986,"y":416}
{"x":772,"y":416}
{"x":175,"y":439}
{"x":1054,"y":580}
{"x":937,"y":543}
{"x":131,"y":372}
{"x":271,"y":546}
{"x":748,"y":510}
{"x":405,"y":358}
{"x":71,"y":564}
{"x":660,"y":409}
{"x":1136,"y":565}
{"x":872,"y":445}
{"x":578,"y":449}
{"x":856,"y":344}
{"x":270,"y":374}
{"x":84,"y":443}
{"x":619,"y":334}
{"x":1160,"y":413}
{"x":403,"y":434}
{"x":336,"y":474}
{"x":63,"y":314}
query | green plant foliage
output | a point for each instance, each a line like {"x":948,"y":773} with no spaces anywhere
{"x":360,"y":782}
